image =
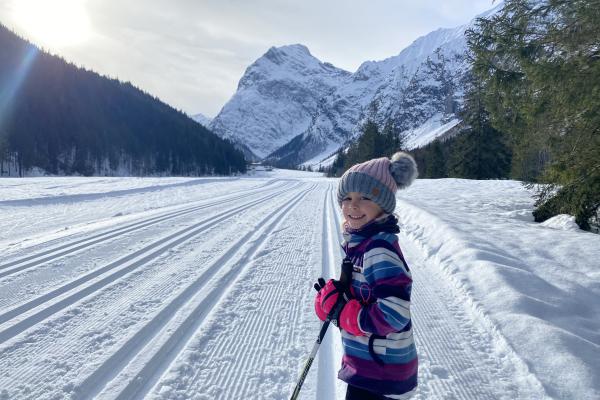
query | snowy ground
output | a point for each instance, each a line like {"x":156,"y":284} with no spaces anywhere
{"x":179,"y":288}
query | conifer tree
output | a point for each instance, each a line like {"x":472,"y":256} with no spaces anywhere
{"x":371,"y":144}
{"x":4,"y":154}
{"x":539,"y":65}
{"x":337,"y":167}
{"x":393,"y":141}
{"x":480,"y":151}
{"x":368,"y":145}
{"x":435,"y":165}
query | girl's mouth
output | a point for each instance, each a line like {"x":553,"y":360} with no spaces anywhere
{"x":355,"y":217}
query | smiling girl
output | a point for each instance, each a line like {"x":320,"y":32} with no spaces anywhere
{"x":380,"y":358}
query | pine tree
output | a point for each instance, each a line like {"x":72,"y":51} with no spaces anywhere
{"x":337,"y":167}
{"x":435,"y":165}
{"x":539,"y":65}
{"x":480,"y":151}
{"x":393,"y":141}
{"x":371,"y":144}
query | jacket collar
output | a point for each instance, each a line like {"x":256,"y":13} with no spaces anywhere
{"x":387,"y":223}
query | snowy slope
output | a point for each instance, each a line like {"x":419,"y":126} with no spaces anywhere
{"x":535,"y":284}
{"x":202,"y":119}
{"x":129,"y":288}
{"x":430,"y":130}
{"x":276,"y":99}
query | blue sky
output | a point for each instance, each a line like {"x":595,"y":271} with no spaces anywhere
{"x":191,"y":53}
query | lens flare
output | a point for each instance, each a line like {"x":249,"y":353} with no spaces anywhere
{"x":9,"y":86}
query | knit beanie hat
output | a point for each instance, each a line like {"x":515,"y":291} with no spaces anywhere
{"x":379,"y":179}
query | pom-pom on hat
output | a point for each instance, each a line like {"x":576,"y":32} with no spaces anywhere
{"x":379,"y":179}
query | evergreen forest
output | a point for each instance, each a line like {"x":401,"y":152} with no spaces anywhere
{"x":57,"y":118}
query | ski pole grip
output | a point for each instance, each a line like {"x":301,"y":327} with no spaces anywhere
{"x":346,"y":273}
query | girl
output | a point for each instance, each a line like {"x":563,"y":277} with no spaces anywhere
{"x":380,"y":359}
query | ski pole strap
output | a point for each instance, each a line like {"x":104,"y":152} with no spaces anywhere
{"x":334,"y":314}
{"x":374,"y":355}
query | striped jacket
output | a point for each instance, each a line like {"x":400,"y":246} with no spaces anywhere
{"x":385,"y":360}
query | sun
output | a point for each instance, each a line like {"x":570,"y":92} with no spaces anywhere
{"x":53,"y":23}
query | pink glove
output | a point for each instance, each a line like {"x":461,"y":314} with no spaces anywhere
{"x":348,"y":320}
{"x":326,"y":299}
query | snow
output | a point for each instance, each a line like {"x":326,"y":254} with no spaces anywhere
{"x":180,"y":288}
{"x":451,"y":40}
{"x":562,"y":221}
{"x":537,"y":287}
{"x":324,"y":159}
{"x":275,"y":98}
{"x":202,"y":119}
{"x":432,"y":129}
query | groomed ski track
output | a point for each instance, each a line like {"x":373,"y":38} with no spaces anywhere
{"x":212,"y":299}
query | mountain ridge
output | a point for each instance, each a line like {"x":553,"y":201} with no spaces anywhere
{"x":290,"y":107}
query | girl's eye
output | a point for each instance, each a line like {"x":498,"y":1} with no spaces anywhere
{"x":349,"y":199}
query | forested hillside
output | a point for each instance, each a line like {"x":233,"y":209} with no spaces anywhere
{"x":58,"y":118}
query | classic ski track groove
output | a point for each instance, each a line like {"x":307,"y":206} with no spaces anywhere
{"x":336,"y":346}
{"x":234,"y":381}
{"x":252,"y":353}
{"x":450,"y":329}
{"x":26,"y":285}
{"x":141,"y":257}
{"x":445,"y":342}
{"x":152,"y":370}
{"x":326,"y":358}
{"x":80,"y":244}
{"x":128,"y":225}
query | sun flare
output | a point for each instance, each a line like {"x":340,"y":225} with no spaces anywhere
{"x":54,"y":24}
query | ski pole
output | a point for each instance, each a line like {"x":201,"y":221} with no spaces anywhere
{"x":345,"y":277}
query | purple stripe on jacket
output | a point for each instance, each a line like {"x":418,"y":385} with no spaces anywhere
{"x":372,"y":370}
{"x":387,"y":387}
{"x":373,"y":320}
{"x":398,"y":280}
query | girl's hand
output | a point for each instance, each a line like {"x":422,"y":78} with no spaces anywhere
{"x":348,"y":319}
{"x":320,"y":284}
{"x":326,"y":298}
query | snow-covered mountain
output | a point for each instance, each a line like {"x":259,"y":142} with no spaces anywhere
{"x":202,"y":119}
{"x":277,"y":99}
{"x":290,"y":108}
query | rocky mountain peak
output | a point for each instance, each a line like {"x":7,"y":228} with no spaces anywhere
{"x":291,"y":108}
{"x":279,"y":55}
{"x":291,"y":62}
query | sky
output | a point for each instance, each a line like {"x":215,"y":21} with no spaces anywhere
{"x":192,"y":53}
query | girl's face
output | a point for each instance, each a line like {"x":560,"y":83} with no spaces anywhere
{"x":359,"y":210}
